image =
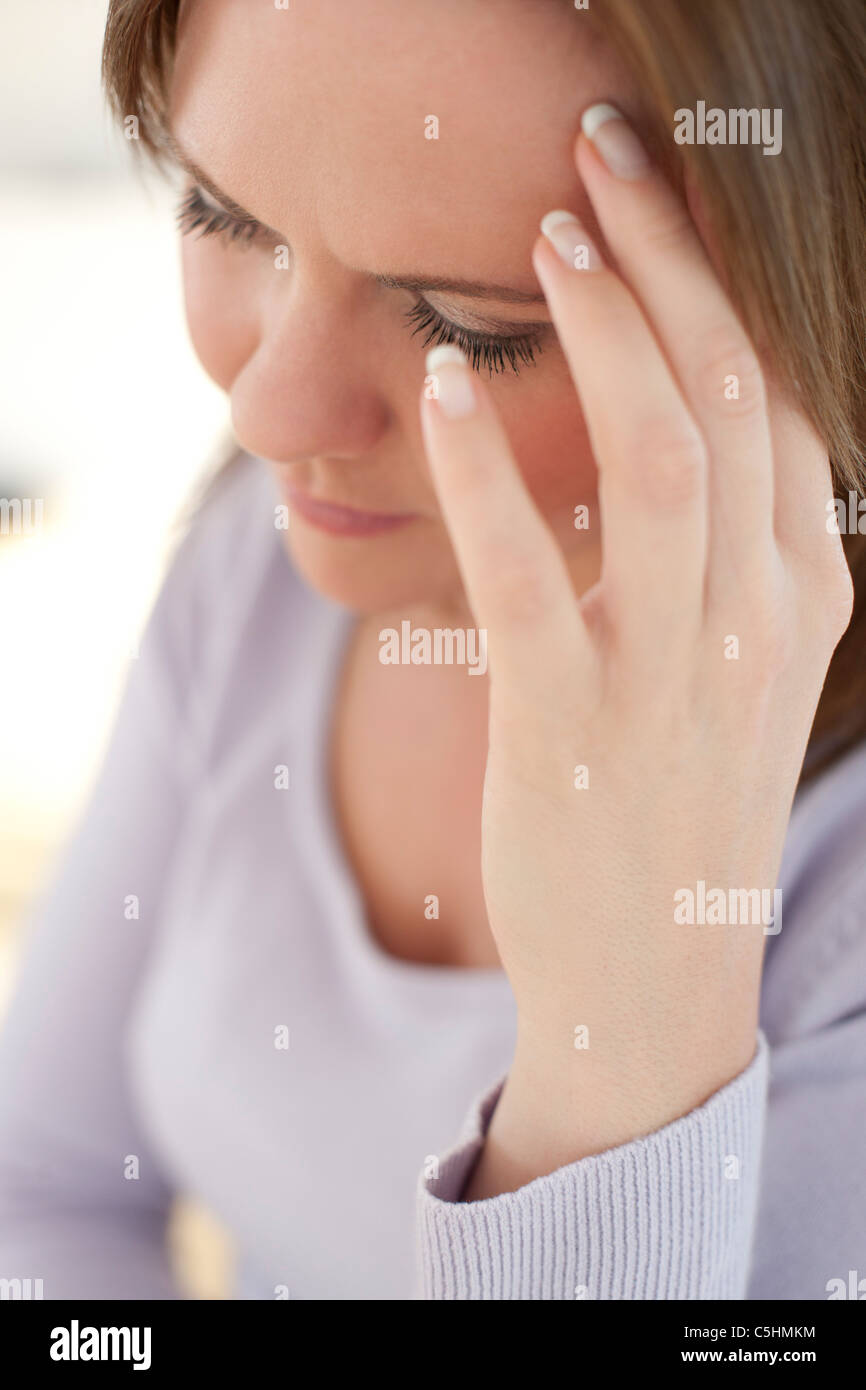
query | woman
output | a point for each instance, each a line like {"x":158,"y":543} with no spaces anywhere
{"x":333,"y":898}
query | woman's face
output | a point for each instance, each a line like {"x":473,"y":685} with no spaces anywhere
{"x":378,"y":142}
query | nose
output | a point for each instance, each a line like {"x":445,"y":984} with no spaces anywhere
{"x":311,"y":387}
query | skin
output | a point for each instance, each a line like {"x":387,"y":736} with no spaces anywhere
{"x":693,"y":759}
{"x":320,"y":367}
{"x":322,"y":372}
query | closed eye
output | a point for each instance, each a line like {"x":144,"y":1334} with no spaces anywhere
{"x":194,"y":215}
{"x":496,"y":353}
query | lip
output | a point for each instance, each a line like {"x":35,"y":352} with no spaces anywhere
{"x":340,"y":520}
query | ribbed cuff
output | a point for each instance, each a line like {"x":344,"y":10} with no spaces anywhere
{"x":669,"y":1216}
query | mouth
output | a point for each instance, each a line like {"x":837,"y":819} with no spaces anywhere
{"x":339,"y":520}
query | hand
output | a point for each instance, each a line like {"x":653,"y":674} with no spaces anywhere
{"x":685,"y":682}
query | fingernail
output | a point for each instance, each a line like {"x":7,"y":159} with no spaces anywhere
{"x":615,"y":141}
{"x":566,"y":234}
{"x":452,"y":382}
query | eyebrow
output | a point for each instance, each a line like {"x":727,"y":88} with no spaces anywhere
{"x":229,"y":205}
{"x":472,"y":289}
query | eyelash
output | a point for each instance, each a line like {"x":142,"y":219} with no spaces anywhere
{"x":482,"y":349}
{"x":194,"y":213}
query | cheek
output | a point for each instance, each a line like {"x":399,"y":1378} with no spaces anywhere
{"x":222,"y":326}
{"x":549,"y":438}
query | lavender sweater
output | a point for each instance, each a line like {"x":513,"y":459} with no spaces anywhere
{"x":203,"y":1010}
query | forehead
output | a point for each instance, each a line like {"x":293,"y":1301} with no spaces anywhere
{"x":318,"y":119}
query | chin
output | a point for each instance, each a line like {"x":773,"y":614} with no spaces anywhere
{"x":374,"y":574}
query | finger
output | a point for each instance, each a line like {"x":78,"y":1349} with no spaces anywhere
{"x":809,"y":518}
{"x":660,"y":255}
{"x":513,"y":570}
{"x":650,"y":456}
{"x":805,"y":487}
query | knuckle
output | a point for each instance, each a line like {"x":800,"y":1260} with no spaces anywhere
{"x":668,"y":463}
{"x":517,"y":591}
{"x":727,"y":374}
{"x":842,"y":603}
{"x":826,"y":595}
{"x":834,"y":594}
{"x":666,"y":230}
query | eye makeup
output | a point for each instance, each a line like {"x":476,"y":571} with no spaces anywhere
{"x":194,"y":215}
{"x":494,"y":352}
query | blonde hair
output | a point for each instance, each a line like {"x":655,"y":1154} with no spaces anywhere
{"x":790,"y":230}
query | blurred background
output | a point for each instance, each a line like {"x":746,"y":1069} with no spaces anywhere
{"x":106,"y":423}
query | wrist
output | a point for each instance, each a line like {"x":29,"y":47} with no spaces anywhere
{"x":580,"y":1089}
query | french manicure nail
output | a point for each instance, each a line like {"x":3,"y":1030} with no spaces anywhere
{"x":453,"y":388}
{"x":567,"y":236}
{"x":615,"y":141}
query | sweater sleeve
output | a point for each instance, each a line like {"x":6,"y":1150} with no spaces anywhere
{"x":667,"y":1216}
{"x":83,"y":1201}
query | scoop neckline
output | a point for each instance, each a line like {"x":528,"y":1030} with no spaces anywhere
{"x":337,"y":866}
